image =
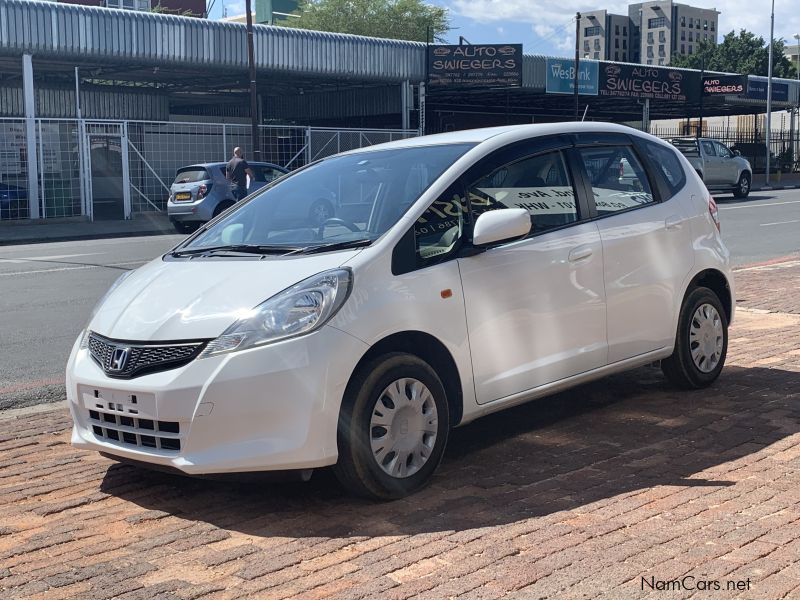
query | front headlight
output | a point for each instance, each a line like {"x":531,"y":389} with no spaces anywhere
{"x":298,"y":310}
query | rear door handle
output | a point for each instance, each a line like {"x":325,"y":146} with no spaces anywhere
{"x":673,"y":222}
{"x":580,"y":253}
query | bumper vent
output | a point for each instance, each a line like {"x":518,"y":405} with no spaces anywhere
{"x":124,"y":360}
{"x":144,"y":433}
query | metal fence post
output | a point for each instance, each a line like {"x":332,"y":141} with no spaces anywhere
{"x":126,"y":171}
{"x":224,"y":141}
{"x":30,"y":136}
{"x":41,"y":170}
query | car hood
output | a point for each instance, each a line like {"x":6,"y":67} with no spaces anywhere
{"x":200,"y":298}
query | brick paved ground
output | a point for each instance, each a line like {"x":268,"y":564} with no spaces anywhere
{"x":580,"y":495}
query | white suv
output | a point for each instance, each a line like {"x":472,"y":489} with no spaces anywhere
{"x":466,"y":273}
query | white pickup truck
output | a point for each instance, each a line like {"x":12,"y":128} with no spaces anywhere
{"x":720,"y":168}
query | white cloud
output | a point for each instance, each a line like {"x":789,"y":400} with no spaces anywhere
{"x":550,"y":18}
{"x":501,"y":30}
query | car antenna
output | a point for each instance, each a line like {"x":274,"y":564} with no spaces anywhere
{"x":585,"y":110}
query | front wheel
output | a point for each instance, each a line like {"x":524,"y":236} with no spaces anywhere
{"x":701,"y":343}
{"x":393,"y":428}
{"x":742,"y":189}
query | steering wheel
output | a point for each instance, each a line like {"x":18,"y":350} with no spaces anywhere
{"x":337,"y":221}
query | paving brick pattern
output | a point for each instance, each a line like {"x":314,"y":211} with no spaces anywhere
{"x":600,"y":492}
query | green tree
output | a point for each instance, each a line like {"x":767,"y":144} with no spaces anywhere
{"x":744,"y":53}
{"x":395,"y":19}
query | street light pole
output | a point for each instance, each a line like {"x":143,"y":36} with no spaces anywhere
{"x":577,"y":62}
{"x":769,"y":84}
{"x":251,"y":64}
{"x":797,"y":39}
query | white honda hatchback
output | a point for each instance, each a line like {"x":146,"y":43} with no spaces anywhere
{"x":464,"y":273}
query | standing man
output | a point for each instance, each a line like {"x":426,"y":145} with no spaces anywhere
{"x":237,"y":172}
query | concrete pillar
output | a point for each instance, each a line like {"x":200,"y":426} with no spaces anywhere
{"x":30,"y":136}
{"x":405,"y":104}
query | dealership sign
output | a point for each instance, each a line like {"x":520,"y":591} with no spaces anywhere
{"x":758,"y":90}
{"x":639,"y":81}
{"x":487,"y":65}
{"x":561,"y":77}
{"x":718,"y":85}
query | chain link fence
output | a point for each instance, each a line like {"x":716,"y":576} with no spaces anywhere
{"x":113,"y":169}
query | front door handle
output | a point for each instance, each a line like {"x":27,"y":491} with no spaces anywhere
{"x":580,"y":253}
{"x":672,"y":223}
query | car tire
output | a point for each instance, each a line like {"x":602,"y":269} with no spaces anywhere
{"x":742,"y":189}
{"x":389,"y":443}
{"x":185,"y":226}
{"x":222,"y":207}
{"x":320,"y":211}
{"x":701,"y":342}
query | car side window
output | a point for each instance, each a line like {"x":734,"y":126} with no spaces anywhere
{"x":438,"y":230}
{"x":723,"y":151}
{"x":708,"y":148}
{"x":540,"y":184}
{"x":618,"y":179}
{"x":666,"y":162}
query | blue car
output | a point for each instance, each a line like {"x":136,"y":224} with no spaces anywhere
{"x":13,"y":202}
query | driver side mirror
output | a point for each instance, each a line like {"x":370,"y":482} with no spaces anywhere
{"x":736,"y":153}
{"x":501,"y":225}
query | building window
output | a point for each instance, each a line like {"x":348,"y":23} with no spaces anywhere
{"x":586,"y":55}
{"x":657,"y":22}
{"x":597,"y":44}
{"x":616,"y":29}
{"x":624,"y":44}
{"x":597,"y":56}
{"x":586,"y":45}
{"x":129,"y":4}
{"x":650,"y":51}
{"x":705,"y":36}
{"x":690,"y":48}
{"x":661,"y":61}
{"x":625,"y":29}
{"x":683,"y":35}
{"x":649,"y":61}
{"x":691,"y":36}
{"x":624,"y":56}
{"x":705,"y":24}
{"x":683,"y":21}
{"x":661,"y":50}
{"x":589,"y":31}
{"x":616,"y":42}
{"x":662,"y":36}
{"x":712,"y":25}
{"x":649,"y":37}
{"x":697,"y":24}
{"x":616,"y":56}
{"x":683,"y":48}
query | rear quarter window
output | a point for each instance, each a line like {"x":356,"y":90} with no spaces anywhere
{"x":667,"y":166}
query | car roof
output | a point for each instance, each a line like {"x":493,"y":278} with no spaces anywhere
{"x":211,"y":165}
{"x":511,"y":132}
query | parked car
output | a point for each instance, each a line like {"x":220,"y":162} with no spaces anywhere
{"x":756,"y":155}
{"x":482,"y":269}
{"x":201,"y":192}
{"x":13,"y":202}
{"x":720,"y":168}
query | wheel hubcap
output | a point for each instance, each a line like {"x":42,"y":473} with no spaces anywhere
{"x":706,"y":336}
{"x":745,"y":185}
{"x":403,"y":427}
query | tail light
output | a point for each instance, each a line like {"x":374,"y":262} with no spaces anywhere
{"x":203,"y":191}
{"x":714,"y":212}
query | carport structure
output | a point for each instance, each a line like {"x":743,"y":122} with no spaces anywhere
{"x":157,"y":91}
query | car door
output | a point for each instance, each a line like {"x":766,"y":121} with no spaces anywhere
{"x":728,"y":169}
{"x":711,"y":168}
{"x":647,"y":250}
{"x":535,"y":307}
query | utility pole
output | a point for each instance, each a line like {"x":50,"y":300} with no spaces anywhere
{"x":769,"y":86}
{"x":251,"y":64}
{"x":702,"y":91}
{"x":577,"y":62}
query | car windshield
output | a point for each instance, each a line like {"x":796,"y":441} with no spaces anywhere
{"x":346,"y":199}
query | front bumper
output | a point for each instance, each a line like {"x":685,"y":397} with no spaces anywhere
{"x":270,"y":408}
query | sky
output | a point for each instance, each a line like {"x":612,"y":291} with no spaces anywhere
{"x":548,"y":26}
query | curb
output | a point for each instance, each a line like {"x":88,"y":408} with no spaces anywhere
{"x":83,"y":236}
{"x":774,"y":188}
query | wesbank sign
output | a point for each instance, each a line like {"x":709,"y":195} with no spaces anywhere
{"x":561,"y":77}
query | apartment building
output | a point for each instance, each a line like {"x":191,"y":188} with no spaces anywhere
{"x":651,"y":33}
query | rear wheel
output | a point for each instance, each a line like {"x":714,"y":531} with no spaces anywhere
{"x":185,"y":226}
{"x":742,"y":189}
{"x":701,"y":343}
{"x":393,"y":427}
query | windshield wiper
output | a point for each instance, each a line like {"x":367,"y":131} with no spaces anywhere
{"x":344,"y":245}
{"x":240,"y":248}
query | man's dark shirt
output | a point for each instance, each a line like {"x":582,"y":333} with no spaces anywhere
{"x":236,"y":171}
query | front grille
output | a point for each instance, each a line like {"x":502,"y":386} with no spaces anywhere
{"x":144,"y":433}
{"x":124,"y":360}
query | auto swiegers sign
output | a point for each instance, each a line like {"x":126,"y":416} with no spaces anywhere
{"x":471,"y":65}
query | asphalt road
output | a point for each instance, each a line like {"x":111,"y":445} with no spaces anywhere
{"x":47,"y":291}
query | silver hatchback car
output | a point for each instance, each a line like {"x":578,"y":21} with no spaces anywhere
{"x":201,"y":192}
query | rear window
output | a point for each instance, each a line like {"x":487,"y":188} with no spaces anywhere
{"x":191,"y":175}
{"x":687,"y":147}
{"x":668,"y":166}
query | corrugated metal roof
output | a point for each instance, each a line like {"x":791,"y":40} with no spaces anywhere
{"x":49,"y":29}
